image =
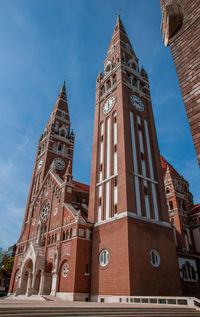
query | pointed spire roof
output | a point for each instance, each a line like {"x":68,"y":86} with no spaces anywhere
{"x":119,"y":34}
{"x":168,"y":167}
{"x":68,"y":169}
{"x":62,"y":93}
{"x":61,"y":102}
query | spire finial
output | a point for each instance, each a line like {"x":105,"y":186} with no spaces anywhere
{"x":118,"y":13}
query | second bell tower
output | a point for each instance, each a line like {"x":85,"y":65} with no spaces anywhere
{"x":133,"y":250}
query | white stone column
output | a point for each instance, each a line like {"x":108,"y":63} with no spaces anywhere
{"x":33,"y":280}
{"x":54,"y":284}
{"x":29,"y":283}
{"x":42,"y":279}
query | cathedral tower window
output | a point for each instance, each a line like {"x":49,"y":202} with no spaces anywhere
{"x":104,"y":257}
{"x":171,"y":206}
{"x":87,"y":269}
{"x":134,"y":83}
{"x":108,"y":68}
{"x":56,"y":127}
{"x":62,"y":132}
{"x":188,"y":272}
{"x":59,"y":147}
{"x":108,"y":84}
{"x":167,"y":190}
{"x":145,"y":190}
{"x":154,"y":258}
{"x":114,"y":79}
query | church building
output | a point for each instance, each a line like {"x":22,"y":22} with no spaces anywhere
{"x":114,"y":239}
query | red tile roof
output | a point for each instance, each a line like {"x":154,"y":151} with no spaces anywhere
{"x":81,"y":187}
{"x":164,"y":164}
{"x":196,"y":209}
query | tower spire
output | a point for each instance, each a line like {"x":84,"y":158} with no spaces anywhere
{"x":62,"y":93}
{"x":119,"y":36}
{"x":118,"y":13}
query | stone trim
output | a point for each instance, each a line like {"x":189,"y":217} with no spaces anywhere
{"x":133,"y":215}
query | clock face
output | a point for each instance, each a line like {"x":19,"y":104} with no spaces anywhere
{"x":39,"y":164}
{"x":108,"y":105}
{"x":60,"y":164}
{"x":137,"y":103}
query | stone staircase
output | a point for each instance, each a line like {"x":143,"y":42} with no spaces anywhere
{"x":91,"y":311}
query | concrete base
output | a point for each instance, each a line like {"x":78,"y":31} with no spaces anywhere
{"x":70,"y":297}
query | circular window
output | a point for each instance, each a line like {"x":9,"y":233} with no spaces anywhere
{"x":104,"y":257}
{"x":65,"y":269}
{"x":154,"y":258}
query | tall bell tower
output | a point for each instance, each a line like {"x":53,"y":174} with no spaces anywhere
{"x":56,"y":145}
{"x":133,"y":251}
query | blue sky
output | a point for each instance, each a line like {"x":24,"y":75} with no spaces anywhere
{"x":41,"y":42}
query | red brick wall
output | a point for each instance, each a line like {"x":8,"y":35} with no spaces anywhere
{"x":185,"y":47}
{"x":129,"y":271}
{"x":83,"y":258}
{"x":145,"y":279}
{"x":112,"y":279}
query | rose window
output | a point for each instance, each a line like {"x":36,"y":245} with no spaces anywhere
{"x":65,"y":269}
{"x":44,"y":212}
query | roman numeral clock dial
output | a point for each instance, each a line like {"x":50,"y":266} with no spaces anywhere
{"x":108,"y":105}
{"x":137,"y":103}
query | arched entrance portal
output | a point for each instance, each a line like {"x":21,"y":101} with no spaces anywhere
{"x":27,"y":275}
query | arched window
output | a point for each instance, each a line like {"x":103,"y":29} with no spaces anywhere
{"x":171,"y":206}
{"x":62,"y":132}
{"x":70,"y":233}
{"x":108,"y":84}
{"x":167,"y":190}
{"x":108,"y":67}
{"x":188,"y":272}
{"x":59,"y":147}
{"x":114,"y":79}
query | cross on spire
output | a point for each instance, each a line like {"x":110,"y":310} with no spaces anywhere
{"x":118,"y":13}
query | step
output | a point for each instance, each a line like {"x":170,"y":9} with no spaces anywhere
{"x":111,"y":312}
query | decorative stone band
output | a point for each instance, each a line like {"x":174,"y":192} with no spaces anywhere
{"x":191,"y":302}
{"x":135,"y":216}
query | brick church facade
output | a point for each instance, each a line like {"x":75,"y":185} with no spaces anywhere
{"x":181,"y":31}
{"x":184,"y":217}
{"x":113,"y":239}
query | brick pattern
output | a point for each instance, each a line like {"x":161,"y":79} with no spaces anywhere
{"x":185,"y":47}
{"x":129,"y":240}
